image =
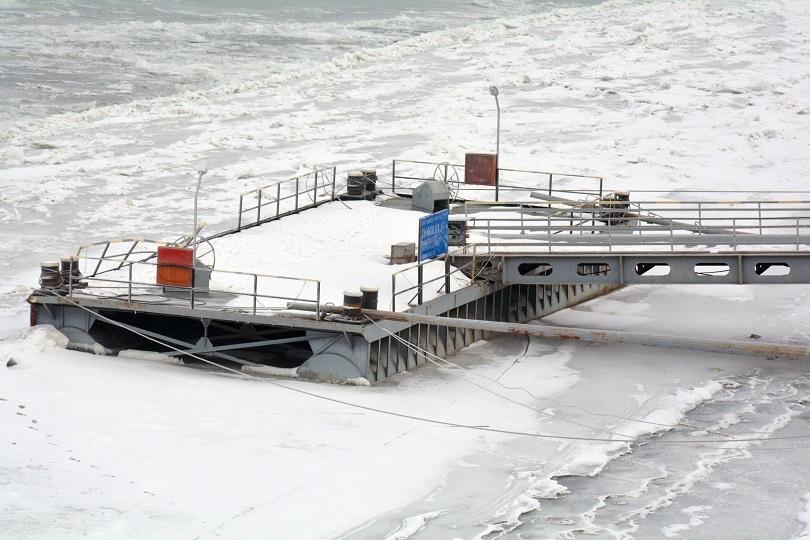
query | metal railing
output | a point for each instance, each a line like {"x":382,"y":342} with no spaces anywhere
{"x":409,"y":172}
{"x":418,"y":285}
{"x":120,"y":250}
{"x":644,"y":223}
{"x":135,"y":281}
{"x":286,"y":197}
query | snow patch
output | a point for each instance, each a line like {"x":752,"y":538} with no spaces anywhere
{"x":149,"y":355}
{"x":412,"y":525}
{"x":270,"y":371}
{"x":357,"y":381}
{"x":697,"y":516}
{"x":804,"y":518}
{"x":589,"y":460}
{"x":41,"y":339}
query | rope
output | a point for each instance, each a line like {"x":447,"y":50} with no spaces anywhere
{"x":427,"y":354}
{"x":432,"y":421}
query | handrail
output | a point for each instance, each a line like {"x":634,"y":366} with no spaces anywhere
{"x":602,"y":188}
{"x":561,"y":233}
{"x":195,"y":291}
{"x":323,"y":178}
{"x":712,"y":222}
{"x":549,"y":175}
{"x":422,"y":283}
{"x":124,"y":256}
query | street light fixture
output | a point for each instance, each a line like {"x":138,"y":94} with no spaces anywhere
{"x":493,"y":90}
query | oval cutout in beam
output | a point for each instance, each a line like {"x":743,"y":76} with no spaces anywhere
{"x":593,"y":269}
{"x":772,"y":269}
{"x":649,"y":269}
{"x":535,"y":269}
{"x":712,"y":269}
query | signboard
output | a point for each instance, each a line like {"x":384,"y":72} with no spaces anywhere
{"x":433,"y":235}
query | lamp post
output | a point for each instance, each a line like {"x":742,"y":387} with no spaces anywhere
{"x":202,"y":169}
{"x":493,"y":90}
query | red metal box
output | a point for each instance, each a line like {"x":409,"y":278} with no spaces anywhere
{"x":174,"y":266}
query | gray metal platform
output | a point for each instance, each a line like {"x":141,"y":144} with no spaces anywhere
{"x":339,"y":351}
{"x":527,"y":257}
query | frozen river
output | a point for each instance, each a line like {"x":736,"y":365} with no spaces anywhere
{"x":108,"y":106}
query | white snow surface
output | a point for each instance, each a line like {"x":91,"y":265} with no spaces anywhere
{"x":804,"y":518}
{"x":652,"y":94}
{"x":342,"y":245}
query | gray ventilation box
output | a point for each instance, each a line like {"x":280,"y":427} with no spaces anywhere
{"x":431,"y":196}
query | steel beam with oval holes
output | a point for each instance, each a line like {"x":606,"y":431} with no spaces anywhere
{"x":677,"y":267}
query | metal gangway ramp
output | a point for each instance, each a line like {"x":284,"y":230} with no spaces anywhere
{"x":615,"y":240}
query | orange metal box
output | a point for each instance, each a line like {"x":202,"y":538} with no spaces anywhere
{"x":174,"y":266}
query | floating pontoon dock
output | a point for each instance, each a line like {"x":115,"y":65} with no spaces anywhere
{"x":550,"y":242}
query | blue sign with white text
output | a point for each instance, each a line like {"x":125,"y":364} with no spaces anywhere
{"x":433,"y":235}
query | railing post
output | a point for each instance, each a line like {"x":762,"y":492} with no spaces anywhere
{"x":734,"y":234}
{"x":239,"y":219}
{"x":334,"y":179}
{"x":255,"y":292}
{"x":445,"y":173}
{"x":472,"y":273}
{"x":600,"y":186}
{"x":315,"y":194}
{"x":258,"y":208}
{"x":318,"y":299}
{"x":797,"y":233}
{"x":129,"y":285}
{"x":700,"y":217}
{"x":522,"y":230}
{"x":419,"y":278}
{"x":393,"y":292}
{"x":671,"y":236}
{"x":447,"y":273}
{"x":278,"y":199}
{"x":759,"y":213}
{"x":549,"y":186}
{"x":297,"y":180}
{"x":393,"y":176}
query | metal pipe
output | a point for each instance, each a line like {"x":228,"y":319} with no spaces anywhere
{"x":770,"y":350}
{"x":201,"y":172}
{"x":393,"y":292}
{"x":303,"y":306}
{"x":447,"y":273}
{"x":255,"y":291}
{"x":494,"y":91}
{"x":318,"y":301}
{"x":315,"y":192}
